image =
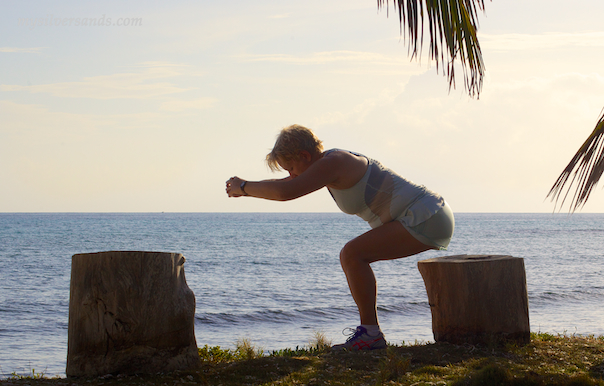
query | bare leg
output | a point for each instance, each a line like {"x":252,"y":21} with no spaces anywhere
{"x":389,"y":241}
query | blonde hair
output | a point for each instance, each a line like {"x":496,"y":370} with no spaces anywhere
{"x":290,"y":142}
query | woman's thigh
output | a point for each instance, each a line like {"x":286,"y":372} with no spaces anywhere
{"x":386,"y":242}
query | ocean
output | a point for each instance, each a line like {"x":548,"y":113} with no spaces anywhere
{"x":275,"y":278}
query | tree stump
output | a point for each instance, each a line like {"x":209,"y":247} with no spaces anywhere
{"x":130,"y":313}
{"x":477,"y":298}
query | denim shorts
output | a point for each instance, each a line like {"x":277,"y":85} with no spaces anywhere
{"x":436,"y":231}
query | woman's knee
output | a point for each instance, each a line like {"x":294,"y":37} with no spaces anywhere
{"x":349,"y":255}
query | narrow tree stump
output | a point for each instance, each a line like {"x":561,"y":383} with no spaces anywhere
{"x":130,"y":313}
{"x":477,"y":298}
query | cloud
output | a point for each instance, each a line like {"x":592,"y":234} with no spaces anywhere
{"x":35,"y":122}
{"x":523,"y":42}
{"x":28,"y":50}
{"x":329,"y":57}
{"x":280,"y":16}
{"x":132,"y":85}
{"x":181,"y":105}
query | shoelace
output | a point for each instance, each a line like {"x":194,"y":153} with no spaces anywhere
{"x":351,"y":332}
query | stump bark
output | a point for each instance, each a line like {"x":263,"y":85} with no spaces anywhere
{"x":477,"y":298}
{"x":130,"y":313}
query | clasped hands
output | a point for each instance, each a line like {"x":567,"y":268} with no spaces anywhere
{"x":233,"y":187}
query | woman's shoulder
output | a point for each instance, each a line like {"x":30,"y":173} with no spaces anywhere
{"x":343,"y":152}
{"x":331,"y":151}
{"x":349,"y":166}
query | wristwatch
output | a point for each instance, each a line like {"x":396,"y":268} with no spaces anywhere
{"x":242,"y":186}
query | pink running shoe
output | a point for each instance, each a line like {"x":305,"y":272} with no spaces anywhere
{"x":360,"y":340}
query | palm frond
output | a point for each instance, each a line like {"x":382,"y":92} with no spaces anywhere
{"x":588,"y":166}
{"x":452,"y":25}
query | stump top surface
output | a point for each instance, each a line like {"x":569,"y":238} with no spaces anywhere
{"x":129,"y":257}
{"x":128,"y":254}
{"x":467,"y":259}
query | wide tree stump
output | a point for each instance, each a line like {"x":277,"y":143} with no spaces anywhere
{"x":130,"y":313}
{"x":477,"y":298}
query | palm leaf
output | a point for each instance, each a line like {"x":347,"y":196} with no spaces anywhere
{"x":588,"y":166}
{"x":452,"y":25}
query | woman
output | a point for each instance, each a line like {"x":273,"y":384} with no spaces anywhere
{"x":405,"y":218}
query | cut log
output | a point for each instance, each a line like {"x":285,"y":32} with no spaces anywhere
{"x":477,"y":298}
{"x":130,"y":313}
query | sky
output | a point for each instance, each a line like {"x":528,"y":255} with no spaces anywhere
{"x":155,"y":109}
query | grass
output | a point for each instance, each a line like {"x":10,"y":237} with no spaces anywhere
{"x":244,"y":351}
{"x":558,"y":360}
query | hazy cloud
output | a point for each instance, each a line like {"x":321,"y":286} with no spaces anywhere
{"x":516,"y":42}
{"x":133,"y":85}
{"x":181,"y":105}
{"x":28,"y":50}
{"x":330,"y":56}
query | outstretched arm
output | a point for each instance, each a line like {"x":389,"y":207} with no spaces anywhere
{"x":321,"y":173}
{"x":235,"y":186}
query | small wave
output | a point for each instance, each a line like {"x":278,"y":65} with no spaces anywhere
{"x":274,"y":316}
{"x":244,"y":318}
{"x":303,"y":315}
{"x":412,"y":308}
{"x":586,"y":296}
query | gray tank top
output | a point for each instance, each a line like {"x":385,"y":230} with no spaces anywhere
{"x":382,"y":196}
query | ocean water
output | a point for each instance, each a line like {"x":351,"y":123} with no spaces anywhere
{"x":275,"y":278}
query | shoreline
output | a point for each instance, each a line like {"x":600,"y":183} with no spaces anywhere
{"x":547,"y":360}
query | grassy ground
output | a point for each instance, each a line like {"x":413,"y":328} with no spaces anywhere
{"x":547,"y":360}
